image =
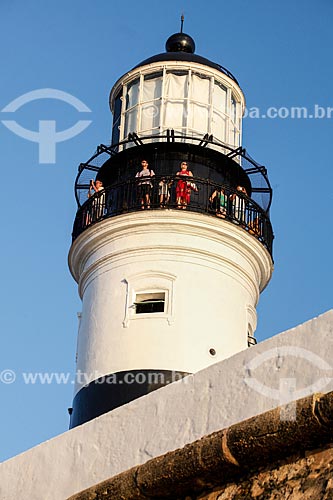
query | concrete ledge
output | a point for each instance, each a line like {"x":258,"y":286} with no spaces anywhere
{"x":223,"y":456}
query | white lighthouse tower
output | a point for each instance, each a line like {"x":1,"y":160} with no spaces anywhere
{"x":169,"y":263}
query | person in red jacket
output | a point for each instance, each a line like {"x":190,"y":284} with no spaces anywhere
{"x":183,"y":187}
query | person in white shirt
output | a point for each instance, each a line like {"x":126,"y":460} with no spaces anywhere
{"x":145,"y":185}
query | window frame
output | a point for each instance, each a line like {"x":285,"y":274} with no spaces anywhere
{"x":150,"y":282}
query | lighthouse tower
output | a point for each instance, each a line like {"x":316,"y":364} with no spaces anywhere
{"x":169,"y":263}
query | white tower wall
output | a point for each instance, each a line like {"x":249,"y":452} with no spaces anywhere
{"x":210,"y":272}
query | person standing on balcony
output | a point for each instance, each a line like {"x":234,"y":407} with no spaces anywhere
{"x":145,"y":185}
{"x":97,"y":207}
{"x":239,"y":204}
{"x":220,"y":201}
{"x":164,"y":191}
{"x":183,"y":187}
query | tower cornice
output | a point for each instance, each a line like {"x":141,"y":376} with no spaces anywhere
{"x":117,"y":239}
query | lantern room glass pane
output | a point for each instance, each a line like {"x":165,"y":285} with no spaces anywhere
{"x":200,"y":88}
{"x":150,"y":116}
{"x":131,"y":121}
{"x":116,"y":119}
{"x":198,"y":117}
{"x":234,"y":122}
{"x":151,"y":102}
{"x":219,"y":97}
{"x":219,"y":126}
{"x":174,"y":115}
{"x":152,"y":88}
{"x":234,"y":136}
{"x":176,"y":91}
{"x":233,"y":109}
{"x":176,"y":85}
{"x":132,"y":96}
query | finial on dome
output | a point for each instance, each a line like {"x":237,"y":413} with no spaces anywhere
{"x":180,"y":42}
{"x":181,"y":22}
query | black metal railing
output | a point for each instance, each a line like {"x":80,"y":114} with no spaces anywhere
{"x":179,"y":193}
{"x":260,"y":185}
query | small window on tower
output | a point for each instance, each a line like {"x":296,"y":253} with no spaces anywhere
{"x":149,"y":295}
{"x":147,"y":303}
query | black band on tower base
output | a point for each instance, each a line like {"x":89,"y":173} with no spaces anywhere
{"x":111,"y":391}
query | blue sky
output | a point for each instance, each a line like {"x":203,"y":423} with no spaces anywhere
{"x":281,"y":53}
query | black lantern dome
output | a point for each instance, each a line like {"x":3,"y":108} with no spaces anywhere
{"x":181,"y":47}
{"x":180,"y":42}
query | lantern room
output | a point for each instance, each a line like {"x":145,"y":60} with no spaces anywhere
{"x":178,"y":90}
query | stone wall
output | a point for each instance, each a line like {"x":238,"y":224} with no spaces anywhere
{"x":306,"y":477}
